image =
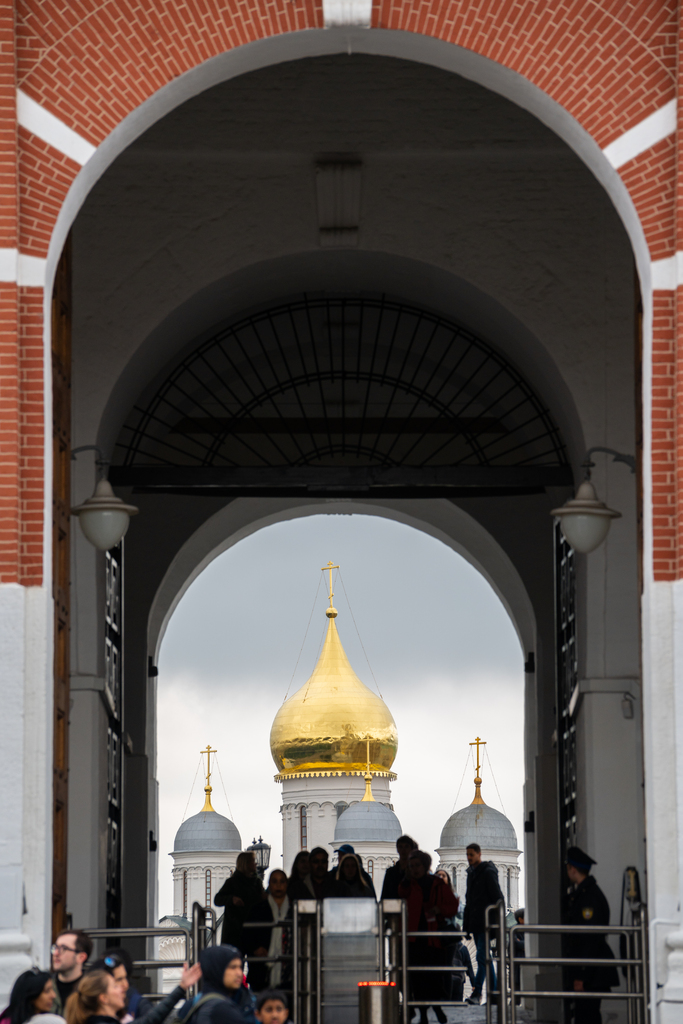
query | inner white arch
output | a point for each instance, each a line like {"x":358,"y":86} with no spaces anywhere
{"x":441,"y":647}
{"x":437,"y":517}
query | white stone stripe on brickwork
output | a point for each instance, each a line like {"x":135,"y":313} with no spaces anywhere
{"x":347,"y":12}
{"x":50,"y":129}
{"x":667,"y":274}
{"x":24,"y":270}
{"x":642,"y":136}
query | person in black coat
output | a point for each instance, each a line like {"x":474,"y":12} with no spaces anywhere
{"x":483,"y":890}
{"x":586,"y":903}
{"x":238,"y":894}
{"x":395,"y":874}
{"x":268,"y":941}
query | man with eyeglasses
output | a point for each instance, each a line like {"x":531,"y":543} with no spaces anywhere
{"x":69,"y":954}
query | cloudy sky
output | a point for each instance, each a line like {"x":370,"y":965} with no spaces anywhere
{"x":442,"y":649}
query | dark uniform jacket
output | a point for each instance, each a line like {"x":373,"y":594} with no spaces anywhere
{"x":483,"y":889}
{"x":586,"y":904}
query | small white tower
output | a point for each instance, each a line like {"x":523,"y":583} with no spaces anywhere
{"x":372,"y":829}
{"x":204,"y":854}
{"x":479,"y":823}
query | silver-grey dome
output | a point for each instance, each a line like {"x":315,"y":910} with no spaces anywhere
{"x":206,"y":831}
{"x":478,"y":823}
{"x":367,"y":821}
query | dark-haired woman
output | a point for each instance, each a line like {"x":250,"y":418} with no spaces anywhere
{"x":32,"y":996}
{"x":97,"y":1000}
{"x":238,"y":894}
{"x":300,"y":886}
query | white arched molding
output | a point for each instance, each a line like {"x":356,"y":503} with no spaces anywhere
{"x":437,"y":517}
{"x":291,"y":46}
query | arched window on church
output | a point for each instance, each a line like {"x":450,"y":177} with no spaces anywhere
{"x":207,"y":888}
{"x":371,"y":868}
{"x":303,"y":829}
{"x":454,"y":874}
{"x":509,"y":873}
{"x":184,"y":893}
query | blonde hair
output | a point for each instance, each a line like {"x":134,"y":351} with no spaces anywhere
{"x":85,"y":1001}
{"x":244,"y":861}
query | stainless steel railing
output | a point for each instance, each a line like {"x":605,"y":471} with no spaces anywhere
{"x":635,"y":995}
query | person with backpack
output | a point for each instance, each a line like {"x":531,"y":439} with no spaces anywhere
{"x":225,"y":998}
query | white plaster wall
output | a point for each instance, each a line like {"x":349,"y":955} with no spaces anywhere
{"x":221,"y":864}
{"x":507,"y":862}
{"x":320,"y":794}
{"x":88,"y":720}
{"x":25,"y":781}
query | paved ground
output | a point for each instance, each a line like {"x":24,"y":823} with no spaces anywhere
{"x":474,"y":1015}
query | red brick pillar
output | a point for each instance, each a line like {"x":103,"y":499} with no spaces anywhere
{"x":10,"y":368}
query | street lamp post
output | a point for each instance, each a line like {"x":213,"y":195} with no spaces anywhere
{"x":261,"y":853}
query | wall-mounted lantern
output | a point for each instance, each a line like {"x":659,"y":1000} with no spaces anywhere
{"x":104,"y":518}
{"x":584,"y":520}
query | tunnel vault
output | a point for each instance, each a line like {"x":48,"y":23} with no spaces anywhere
{"x":344,"y":395}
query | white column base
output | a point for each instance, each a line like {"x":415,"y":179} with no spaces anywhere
{"x":14,"y":960}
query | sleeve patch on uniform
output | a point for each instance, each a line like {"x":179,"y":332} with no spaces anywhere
{"x":587,"y":913}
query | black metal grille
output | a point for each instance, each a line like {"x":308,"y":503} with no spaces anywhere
{"x":113,"y":630}
{"x":567,"y":678}
{"x":341,"y":382}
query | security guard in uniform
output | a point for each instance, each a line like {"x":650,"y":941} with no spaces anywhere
{"x":586,"y":904}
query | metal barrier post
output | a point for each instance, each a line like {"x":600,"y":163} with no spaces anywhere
{"x":502,"y":966}
{"x":296,"y":966}
{"x":487,"y":962}
{"x":318,"y":964}
{"x":404,"y":960}
{"x":512,"y":962}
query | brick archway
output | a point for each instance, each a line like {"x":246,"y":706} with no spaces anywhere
{"x":91,"y":77}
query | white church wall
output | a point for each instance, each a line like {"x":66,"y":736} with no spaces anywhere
{"x":190,"y":882}
{"x":506,"y":861}
{"x":321,"y":795}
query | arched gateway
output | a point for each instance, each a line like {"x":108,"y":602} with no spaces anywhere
{"x":387,"y":269}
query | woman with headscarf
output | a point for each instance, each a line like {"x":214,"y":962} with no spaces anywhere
{"x":224,"y":997}
{"x":32,"y":997}
{"x":238,"y":894}
{"x":270,"y":941}
{"x":430,"y":902}
{"x":97,"y":1000}
{"x":350,"y":880}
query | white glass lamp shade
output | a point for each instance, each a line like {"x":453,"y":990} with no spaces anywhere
{"x":104,"y":518}
{"x":584,"y":520}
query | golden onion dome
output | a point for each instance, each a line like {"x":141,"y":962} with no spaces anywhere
{"x":326,"y":726}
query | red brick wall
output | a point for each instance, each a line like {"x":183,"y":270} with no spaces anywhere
{"x":610,"y":63}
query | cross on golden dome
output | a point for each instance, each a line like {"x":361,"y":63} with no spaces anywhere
{"x":331,"y":611}
{"x":207,"y":788}
{"x":477,"y":782}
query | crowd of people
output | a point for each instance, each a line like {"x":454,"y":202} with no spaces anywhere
{"x":257,"y":926}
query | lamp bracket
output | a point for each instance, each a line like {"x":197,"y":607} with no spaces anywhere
{"x":588,"y":463}
{"x":100,"y":461}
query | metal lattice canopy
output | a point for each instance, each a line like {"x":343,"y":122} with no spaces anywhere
{"x":342,"y":395}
